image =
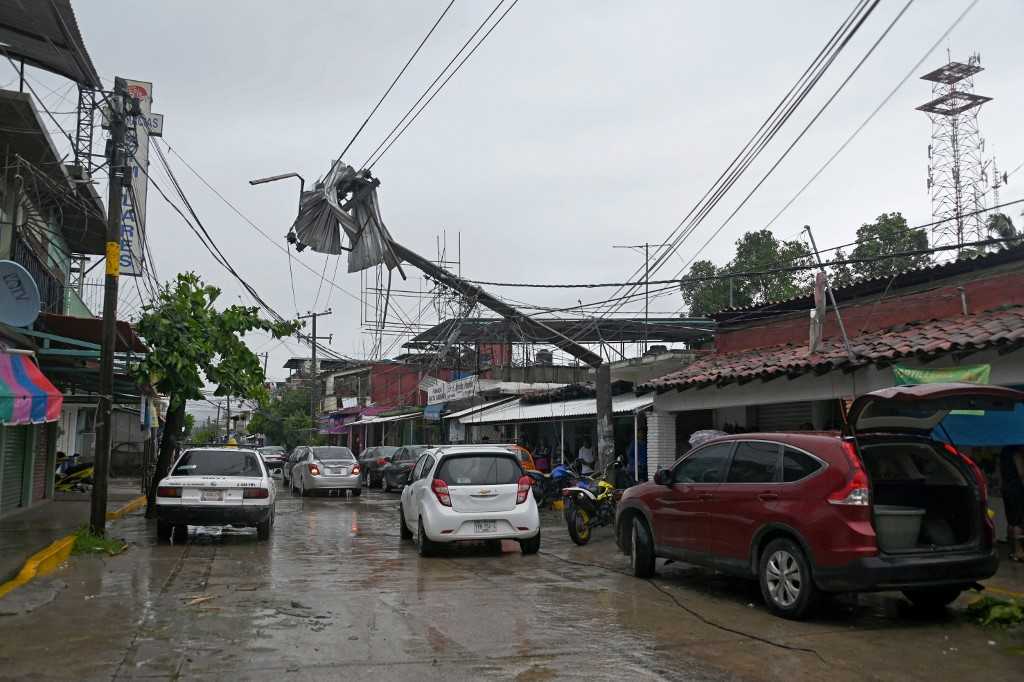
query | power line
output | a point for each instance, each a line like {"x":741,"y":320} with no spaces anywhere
{"x":367,"y":164}
{"x":871,"y":116}
{"x":395,"y":81}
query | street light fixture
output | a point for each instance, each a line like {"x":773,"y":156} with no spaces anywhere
{"x":283,"y":176}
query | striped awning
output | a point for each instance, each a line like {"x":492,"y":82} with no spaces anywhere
{"x":26,"y":396}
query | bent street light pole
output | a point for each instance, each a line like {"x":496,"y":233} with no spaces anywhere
{"x":104,"y":407}
{"x":602,"y":373}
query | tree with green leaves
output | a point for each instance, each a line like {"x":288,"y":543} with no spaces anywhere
{"x":889,"y":234}
{"x":285,"y":420}
{"x":756,"y":251}
{"x":1000,"y":226}
{"x":193,"y":344}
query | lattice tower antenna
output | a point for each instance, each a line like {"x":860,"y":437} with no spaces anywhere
{"x":957,"y":171}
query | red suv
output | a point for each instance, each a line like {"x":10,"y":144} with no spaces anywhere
{"x":881,"y":506}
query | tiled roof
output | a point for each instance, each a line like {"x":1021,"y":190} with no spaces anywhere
{"x":1002,"y":327}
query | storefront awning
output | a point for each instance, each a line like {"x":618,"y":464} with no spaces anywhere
{"x":517,"y":411}
{"x":432,"y":413}
{"x":26,"y":396}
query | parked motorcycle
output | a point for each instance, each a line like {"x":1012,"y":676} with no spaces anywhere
{"x":591,"y":503}
{"x":547,"y":488}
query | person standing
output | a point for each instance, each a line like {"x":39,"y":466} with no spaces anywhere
{"x":636,"y":458}
{"x":1011,"y":470}
{"x":586,"y":457}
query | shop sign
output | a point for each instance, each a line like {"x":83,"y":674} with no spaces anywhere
{"x":439,"y":391}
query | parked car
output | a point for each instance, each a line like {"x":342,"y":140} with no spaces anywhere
{"x":327,"y":468}
{"x":469,"y":492}
{"x":372,"y":461}
{"x":395,"y":473}
{"x":215,"y":487}
{"x":882,"y":506}
{"x":274,"y":456}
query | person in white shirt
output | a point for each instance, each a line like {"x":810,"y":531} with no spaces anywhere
{"x":586,"y":457}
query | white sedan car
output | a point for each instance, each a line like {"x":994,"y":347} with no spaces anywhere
{"x":215,"y":487}
{"x":469,"y":492}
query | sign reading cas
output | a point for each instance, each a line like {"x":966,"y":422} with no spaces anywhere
{"x":439,"y":391}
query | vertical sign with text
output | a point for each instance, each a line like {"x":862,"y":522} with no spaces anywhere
{"x":133,"y":202}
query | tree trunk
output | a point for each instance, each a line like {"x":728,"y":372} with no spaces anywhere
{"x":172,"y":433}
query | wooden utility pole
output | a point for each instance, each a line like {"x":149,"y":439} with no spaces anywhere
{"x":120,"y":107}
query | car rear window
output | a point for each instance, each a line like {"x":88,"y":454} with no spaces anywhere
{"x":797,"y":465}
{"x":218,"y":463}
{"x":332,"y":453}
{"x":483,"y":469}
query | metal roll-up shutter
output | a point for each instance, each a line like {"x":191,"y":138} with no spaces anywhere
{"x":12,"y":466}
{"x":783,"y":416}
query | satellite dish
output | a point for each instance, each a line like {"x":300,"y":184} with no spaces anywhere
{"x":19,"y":295}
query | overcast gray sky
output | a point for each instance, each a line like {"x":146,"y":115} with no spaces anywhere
{"x":577,"y":125}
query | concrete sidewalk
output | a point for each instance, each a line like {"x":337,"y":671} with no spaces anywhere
{"x":27,"y":531}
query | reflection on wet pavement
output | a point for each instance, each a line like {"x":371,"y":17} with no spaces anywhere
{"x":336,"y":594}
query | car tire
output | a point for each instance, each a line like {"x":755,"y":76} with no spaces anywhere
{"x":357,"y":492}
{"x":424,"y":545}
{"x":163,"y":531}
{"x":179,"y":534}
{"x":641,"y":559}
{"x":403,"y":530}
{"x":786,"y":582}
{"x":385,"y":484}
{"x":936,"y":599}
{"x":263,"y":529}
{"x":302,"y":488}
{"x":531,"y":545}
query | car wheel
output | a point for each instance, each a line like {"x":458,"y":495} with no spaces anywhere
{"x":357,"y":492}
{"x":424,"y":545}
{"x":579,"y":526}
{"x":179,"y":534}
{"x":933,"y":600}
{"x":263,"y":529}
{"x":386,"y":484}
{"x":163,"y":531}
{"x":302,"y":487}
{"x":531,"y":546}
{"x":641,"y":559}
{"x":403,"y":530}
{"x":786,"y":582}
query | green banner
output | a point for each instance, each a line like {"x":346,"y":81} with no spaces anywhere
{"x":969,"y":374}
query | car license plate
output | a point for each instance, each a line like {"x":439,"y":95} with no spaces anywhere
{"x":340,"y":471}
{"x":485,"y":526}
{"x":212,"y":496}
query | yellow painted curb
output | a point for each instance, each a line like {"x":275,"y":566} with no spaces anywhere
{"x":138,"y":503}
{"x":47,"y":560}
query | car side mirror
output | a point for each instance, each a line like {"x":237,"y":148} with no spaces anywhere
{"x":663,"y":477}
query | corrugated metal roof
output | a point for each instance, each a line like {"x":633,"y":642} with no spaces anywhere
{"x":516,"y":411}
{"x":380,"y":420}
{"x":479,"y":408}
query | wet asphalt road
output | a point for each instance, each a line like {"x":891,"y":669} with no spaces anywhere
{"x":335,"y":594}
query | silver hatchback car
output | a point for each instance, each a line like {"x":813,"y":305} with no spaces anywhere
{"x":325,"y":468}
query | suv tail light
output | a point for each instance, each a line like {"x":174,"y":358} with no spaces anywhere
{"x":168,"y":491}
{"x":856,"y":490}
{"x":314,"y":469}
{"x":255,"y":494}
{"x":355,"y":469}
{"x":440,"y":489}
{"x":381,"y":462}
{"x":525,"y":485}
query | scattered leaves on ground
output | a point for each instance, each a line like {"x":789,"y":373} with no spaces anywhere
{"x":995,"y":611}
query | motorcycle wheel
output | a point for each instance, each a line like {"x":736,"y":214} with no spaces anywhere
{"x":579,"y":526}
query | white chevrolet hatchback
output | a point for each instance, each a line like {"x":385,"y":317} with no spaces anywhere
{"x":469,"y":492}
{"x":215,"y":487}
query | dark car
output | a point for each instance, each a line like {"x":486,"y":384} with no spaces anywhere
{"x":373,"y":460}
{"x":395,"y":473}
{"x":274,"y":457}
{"x":883,"y":505}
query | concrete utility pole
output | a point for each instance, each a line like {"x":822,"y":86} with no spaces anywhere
{"x":602,"y":374}
{"x":314,"y":373}
{"x":120,"y":106}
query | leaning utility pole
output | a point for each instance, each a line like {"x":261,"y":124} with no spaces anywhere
{"x":314,"y":389}
{"x":120,"y":107}
{"x":602,"y":373}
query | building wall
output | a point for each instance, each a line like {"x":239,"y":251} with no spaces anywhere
{"x":874,"y":314}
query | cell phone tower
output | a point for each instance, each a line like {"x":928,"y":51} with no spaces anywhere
{"x":957,"y":170}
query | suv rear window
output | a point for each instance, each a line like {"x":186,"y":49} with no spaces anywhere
{"x":218,"y":463}
{"x":483,"y":469}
